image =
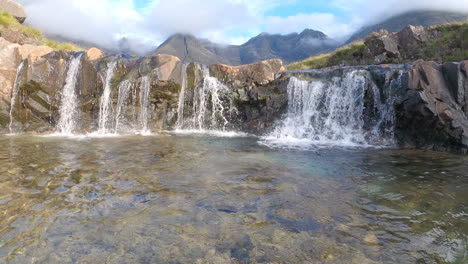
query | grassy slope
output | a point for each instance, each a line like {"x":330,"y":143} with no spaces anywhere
{"x":8,"y":21}
{"x":451,"y":44}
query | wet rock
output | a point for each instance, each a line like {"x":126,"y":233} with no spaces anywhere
{"x":431,"y":115}
{"x":11,"y":55}
{"x":14,"y":8}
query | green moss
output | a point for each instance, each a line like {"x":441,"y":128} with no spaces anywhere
{"x":191,"y":76}
{"x":4,"y":120}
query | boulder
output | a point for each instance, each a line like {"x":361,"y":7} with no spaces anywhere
{"x":14,"y":8}
{"x":94,"y":54}
{"x":261,"y":72}
{"x":412,"y":35}
{"x":384,"y":49}
{"x":429,"y":115}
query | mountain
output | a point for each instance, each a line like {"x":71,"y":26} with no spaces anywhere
{"x":188,"y":49}
{"x":289,"y":48}
{"x":415,"y":18}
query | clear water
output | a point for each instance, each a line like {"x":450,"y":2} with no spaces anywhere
{"x":199,"y":199}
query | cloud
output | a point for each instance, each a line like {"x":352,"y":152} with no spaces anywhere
{"x":197,"y":17}
{"x":371,"y":11}
{"x":146,"y":23}
{"x":324,"y":22}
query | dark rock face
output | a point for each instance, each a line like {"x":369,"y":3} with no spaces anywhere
{"x":431,"y":114}
{"x":39,"y":94}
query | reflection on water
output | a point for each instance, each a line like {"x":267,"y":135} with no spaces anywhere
{"x":195,"y":199}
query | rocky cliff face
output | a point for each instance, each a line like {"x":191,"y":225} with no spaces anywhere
{"x":421,"y":105}
{"x":433,"y":111}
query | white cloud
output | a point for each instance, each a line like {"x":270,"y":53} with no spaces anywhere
{"x":226,"y":21}
{"x":324,"y":22}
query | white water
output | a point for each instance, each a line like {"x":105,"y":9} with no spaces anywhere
{"x":209,"y":109}
{"x":329,"y":113}
{"x":180,"y":110}
{"x":145,"y":88}
{"x":69,"y":106}
{"x":124,"y":92}
{"x":14,"y":97}
{"x":105,"y":109}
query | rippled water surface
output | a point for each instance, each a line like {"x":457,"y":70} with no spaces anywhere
{"x":196,"y":199}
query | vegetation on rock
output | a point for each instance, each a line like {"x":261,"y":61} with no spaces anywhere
{"x":353,"y":53}
{"x":9,"y":22}
{"x":443,"y":43}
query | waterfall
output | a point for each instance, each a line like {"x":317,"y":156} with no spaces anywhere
{"x":145,"y":88}
{"x":106,"y":101}
{"x":210,"y":102}
{"x":14,"y":96}
{"x":124,"y":91}
{"x":332,"y":113}
{"x":69,"y":106}
{"x":180,"y":110}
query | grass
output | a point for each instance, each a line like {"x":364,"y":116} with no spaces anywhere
{"x":8,"y":21}
{"x":353,"y":52}
{"x":450,"y":44}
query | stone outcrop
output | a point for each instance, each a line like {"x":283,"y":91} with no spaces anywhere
{"x":258,"y":73}
{"x":432,"y":114}
{"x":11,"y":55}
{"x":94,"y":54}
{"x":14,"y":8}
{"x":411,"y":44}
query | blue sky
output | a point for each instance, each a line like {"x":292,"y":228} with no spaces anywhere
{"x":147,"y":23}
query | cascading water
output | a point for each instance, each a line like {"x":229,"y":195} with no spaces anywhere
{"x":14,"y":96}
{"x":124,"y":92}
{"x":332,"y":113}
{"x":210,"y":102}
{"x":105,"y":109}
{"x":69,"y":106}
{"x":145,"y":88}
{"x":180,"y":110}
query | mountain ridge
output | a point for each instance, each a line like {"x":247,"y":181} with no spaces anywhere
{"x":289,"y":48}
